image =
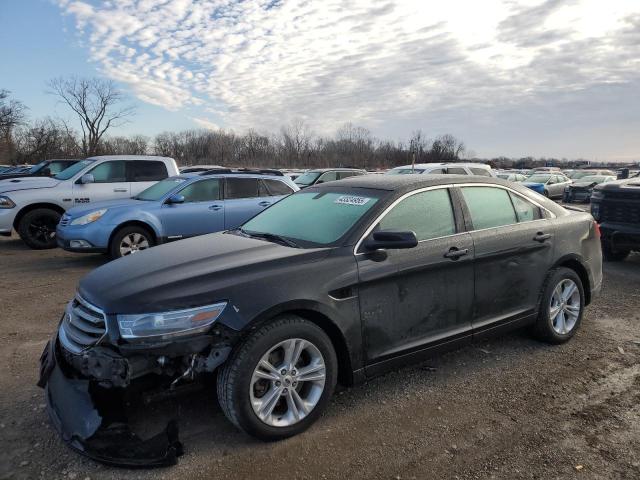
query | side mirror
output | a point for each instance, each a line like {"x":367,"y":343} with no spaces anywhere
{"x":87,"y":178}
{"x":390,"y":240}
{"x":175,"y":199}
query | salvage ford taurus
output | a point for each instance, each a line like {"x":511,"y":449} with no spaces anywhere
{"x":338,"y":282}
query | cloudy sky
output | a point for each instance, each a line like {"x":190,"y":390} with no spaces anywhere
{"x":510,"y":77}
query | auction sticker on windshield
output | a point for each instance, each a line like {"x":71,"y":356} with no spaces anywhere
{"x":351,"y":200}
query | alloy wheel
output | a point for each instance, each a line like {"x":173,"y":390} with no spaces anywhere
{"x":565,"y":306}
{"x":287,"y":382}
{"x":133,"y":243}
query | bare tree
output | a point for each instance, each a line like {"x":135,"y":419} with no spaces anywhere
{"x":12,"y":113}
{"x":45,"y":139}
{"x":96,"y":102}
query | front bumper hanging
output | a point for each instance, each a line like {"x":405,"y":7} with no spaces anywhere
{"x":91,"y":419}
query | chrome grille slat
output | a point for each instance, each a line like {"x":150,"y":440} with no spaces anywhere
{"x":83,"y":326}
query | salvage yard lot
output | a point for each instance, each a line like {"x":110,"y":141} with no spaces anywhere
{"x":507,"y":408}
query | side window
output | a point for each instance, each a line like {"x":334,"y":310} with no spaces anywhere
{"x":525,"y":210}
{"x":202,"y":191}
{"x":276,"y":187}
{"x":489,"y":207}
{"x":148,"y":171}
{"x":241,"y":188}
{"x":342,"y":175}
{"x":328,"y":177}
{"x":456,"y":171}
{"x":429,"y":214}
{"x":552,"y":179}
{"x":436,"y":171}
{"x":480,"y":171}
{"x":110,"y":172}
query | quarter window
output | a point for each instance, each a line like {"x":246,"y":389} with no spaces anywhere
{"x":202,"y":191}
{"x":110,"y":172}
{"x":241,"y":188}
{"x":276,"y":187}
{"x":489,"y":207}
{"x":428,"y":214}
{"x":148,"y":171}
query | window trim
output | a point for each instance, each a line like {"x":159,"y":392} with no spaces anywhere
{"x":458,"y":205}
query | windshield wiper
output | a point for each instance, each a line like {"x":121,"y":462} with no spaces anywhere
{"x":271,"y":237}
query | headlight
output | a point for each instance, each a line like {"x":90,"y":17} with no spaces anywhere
{"x":169,"y":324}
{"x":6,"y":202}
{"x":89,"y":217}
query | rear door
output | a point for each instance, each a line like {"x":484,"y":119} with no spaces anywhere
{"x":202,"y":211}
{"x":110,"y":183}
{"x":144,"y":173}
{"x":513,"y":244}
{"x":244,"y":197}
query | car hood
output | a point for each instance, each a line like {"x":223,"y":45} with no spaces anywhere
{"x":189,"y":273}
{"x":110,"y":204}
{"x":27,"y":183}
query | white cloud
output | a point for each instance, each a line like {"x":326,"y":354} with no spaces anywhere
{"x":206,"y":123}
{"x":261,"y":63}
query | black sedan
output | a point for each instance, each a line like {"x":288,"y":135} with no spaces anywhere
{"x":337,"y":282}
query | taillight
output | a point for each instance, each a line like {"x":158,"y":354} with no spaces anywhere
{"x":596,"y":228}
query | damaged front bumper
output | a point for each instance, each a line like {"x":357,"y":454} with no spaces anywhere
{"x":91,"y":419}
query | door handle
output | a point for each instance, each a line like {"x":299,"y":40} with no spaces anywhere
{"x":120,"y":190}
{"x":541,"y":237}
{"x":215,"y":207}
{"x":455,"y":253}
{"x":264,"y":204}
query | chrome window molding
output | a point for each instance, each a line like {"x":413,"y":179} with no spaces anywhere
{"x":453,"y":185}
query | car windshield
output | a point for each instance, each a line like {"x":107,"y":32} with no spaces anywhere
{"x":160,"y":189}
{"x":578,"y":175}
{"x":593,"y":179}
{"x":538,"y":178}
{"x":319,"y":218}
{"x":404,"y":171}
{"x":307,"y":178}
{"x":67,"y":173}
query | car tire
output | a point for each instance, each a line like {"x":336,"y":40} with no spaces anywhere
{"x":139,"y":238}
{"x":561,"y":306}
{"x":546,"y":193}
{"x":611,"y":255}
{"x":37,"y":228}
{"x":244,"y":396}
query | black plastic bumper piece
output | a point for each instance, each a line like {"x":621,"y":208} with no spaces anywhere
{"x":91,"y":421}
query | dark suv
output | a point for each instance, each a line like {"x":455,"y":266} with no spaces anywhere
{"x":341,"y":281}
{"x":616,"y":207}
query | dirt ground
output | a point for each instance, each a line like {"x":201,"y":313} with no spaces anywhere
{"x":508,"y":408}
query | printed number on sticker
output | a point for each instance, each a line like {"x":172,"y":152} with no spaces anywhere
{"x":351,"y":200}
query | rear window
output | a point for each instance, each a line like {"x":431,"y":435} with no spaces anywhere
{"x":241,"y":188}
{"x":148,"y":171}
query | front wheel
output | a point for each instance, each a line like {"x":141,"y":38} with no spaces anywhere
{"x":561,"y":306}
{"x":37,"y":228}
{"x":130,"y":240}
{"x":279,"y":380}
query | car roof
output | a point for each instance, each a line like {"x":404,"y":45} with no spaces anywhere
{"x":409,"y":182}
{"x":337,"y":169}
{"x":214,"y":174}
{"x":128,"y":157}
{"x":450,"y":164}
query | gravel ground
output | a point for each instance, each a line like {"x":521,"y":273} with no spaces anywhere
{"x":508,"y":408}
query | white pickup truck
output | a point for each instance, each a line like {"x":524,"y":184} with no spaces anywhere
{"x":33,"y":206}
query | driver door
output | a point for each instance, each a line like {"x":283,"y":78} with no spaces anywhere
{"x":110,"y":183}
{"x":413,"y":299}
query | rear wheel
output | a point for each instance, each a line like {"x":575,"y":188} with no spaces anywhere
{"x":130,"y":240}
{"x":37,"y":228}
{"x":611,"y":255}
{"x":279,"y":380}
{"x":561,"y":306}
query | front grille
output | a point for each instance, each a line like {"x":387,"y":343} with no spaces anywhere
{"x":619,"y":212}
{"x":64,"y":221}
{"x":83,"y":326}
